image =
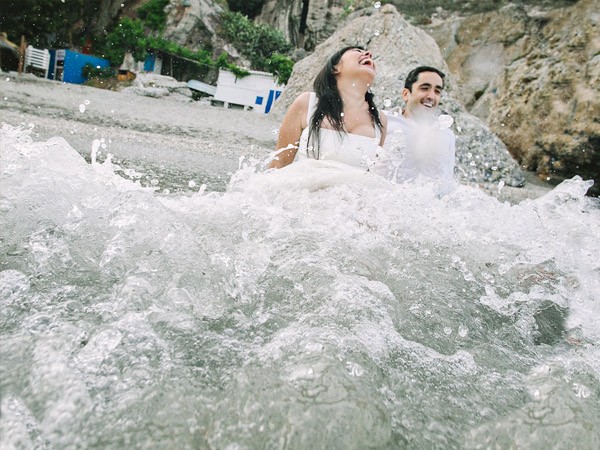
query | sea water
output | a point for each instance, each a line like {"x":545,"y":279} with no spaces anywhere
{"x":307,"y":308}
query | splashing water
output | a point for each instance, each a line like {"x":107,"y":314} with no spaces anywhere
{"x":309,"y":307}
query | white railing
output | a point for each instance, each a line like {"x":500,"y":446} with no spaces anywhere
{"x":38,"y":59}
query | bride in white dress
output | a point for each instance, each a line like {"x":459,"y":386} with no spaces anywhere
{"x":338,"y":123}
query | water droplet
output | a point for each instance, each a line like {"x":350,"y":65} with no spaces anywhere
{"x":275,"y":131}
{"x":166,"y":191}
{"x":581,"y":391}
{"x":7,"y":78}
{"x":192,"y":183}
{"x":82,"y":108}
{"x":500,"y":185}
{"x":154,"y":182}
{"x":5,"y":98}
{"x":355,"y":369}
{"x":445,"y":121}
{"x":463,"y":331}
{"x":376,"y":33}
{"x":469,"y":155}
{"x":387,"y":103}
{"x":494,"y":167}
{"x":377,"y":5}
{"x":472,"y":163}
{"x":86,"y":102}
{"x":447,"y":330}
{"x":342,"y":114}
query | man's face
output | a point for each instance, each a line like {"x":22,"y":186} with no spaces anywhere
{"x":425,"y":94}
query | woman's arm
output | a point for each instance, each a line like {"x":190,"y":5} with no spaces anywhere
{"x":289,"y":133}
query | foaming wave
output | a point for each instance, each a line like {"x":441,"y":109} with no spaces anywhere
{"x":300,"y":297}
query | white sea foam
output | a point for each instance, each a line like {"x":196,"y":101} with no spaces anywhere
{"x":309,"y":295}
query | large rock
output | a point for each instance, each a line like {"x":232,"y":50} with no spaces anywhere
{"x":399,"y":47}
{"x":194,"y":23}
{"x":534,"y":77}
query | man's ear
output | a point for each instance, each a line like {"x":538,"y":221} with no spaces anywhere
{"x":405,"y":94}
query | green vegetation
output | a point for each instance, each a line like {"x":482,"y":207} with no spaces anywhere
{"x":348,"y":7}
{"x":265,"y":47}
{"x":127,"y":36}
{"x":281,"y":66}
{"x":202,"y":57}
{"x":222,"y":62}
{"x":153,"y":14}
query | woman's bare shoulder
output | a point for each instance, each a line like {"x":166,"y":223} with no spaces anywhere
{"x":302,"y":100}
{"x":299,"y":109}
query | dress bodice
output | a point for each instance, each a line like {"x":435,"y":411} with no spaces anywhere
{"x":352,"y":149}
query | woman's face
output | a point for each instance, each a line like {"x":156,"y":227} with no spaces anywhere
{"x":356,"y":61}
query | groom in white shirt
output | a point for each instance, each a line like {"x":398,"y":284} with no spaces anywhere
{"x":419,"y":142}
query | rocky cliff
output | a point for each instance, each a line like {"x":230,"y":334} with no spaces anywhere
{"x":534,"y":77}
{"x":399,"y":47}
{"x":304,"y":23}
{"x":193,"y":23}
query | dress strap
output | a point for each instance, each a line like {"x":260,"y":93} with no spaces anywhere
{"x":312,"y":105}
{"x":377,"y":133}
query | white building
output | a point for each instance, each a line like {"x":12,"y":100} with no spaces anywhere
{"x":257,"y":91}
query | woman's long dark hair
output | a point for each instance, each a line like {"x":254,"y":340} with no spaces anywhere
{"x":330,"y":103}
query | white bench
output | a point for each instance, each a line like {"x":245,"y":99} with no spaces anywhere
{"x":38,"y":59}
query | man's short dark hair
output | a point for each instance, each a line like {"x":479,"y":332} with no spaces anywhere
{"x":413,"y":75}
